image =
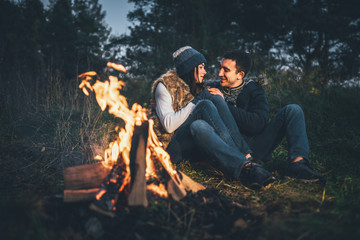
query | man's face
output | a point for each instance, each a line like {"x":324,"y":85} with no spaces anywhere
{"x":229,"y":76}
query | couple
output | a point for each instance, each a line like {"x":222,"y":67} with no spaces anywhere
{"x":227,"y":121}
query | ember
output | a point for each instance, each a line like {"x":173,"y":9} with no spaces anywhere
{"x":136,"y":158}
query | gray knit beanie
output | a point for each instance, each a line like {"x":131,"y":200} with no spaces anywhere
{"x":186,"y":59}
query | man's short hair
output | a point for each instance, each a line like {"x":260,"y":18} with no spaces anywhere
{"x":242,"y":59}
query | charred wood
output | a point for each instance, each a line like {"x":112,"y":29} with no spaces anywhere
{"x":107,"y":195}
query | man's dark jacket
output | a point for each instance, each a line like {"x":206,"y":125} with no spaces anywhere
{"x":251,"y":111}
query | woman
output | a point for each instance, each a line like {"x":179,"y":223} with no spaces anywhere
{"x":188,"y":117}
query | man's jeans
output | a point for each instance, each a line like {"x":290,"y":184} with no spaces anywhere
{"x":288,"y":122}
{"x":211,"y":128}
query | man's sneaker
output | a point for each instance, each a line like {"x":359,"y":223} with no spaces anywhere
{"x":255,"y":176}
{"x":302,"y":171}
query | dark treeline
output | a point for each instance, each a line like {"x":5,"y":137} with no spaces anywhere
{"x":319,"y":39}
{"x":44,"y":47}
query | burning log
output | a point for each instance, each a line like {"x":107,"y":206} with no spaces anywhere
{"x":107,"y":196}
{"x":137,"y":196}
{"x":83,"y":182}
{"x":85,"y":176}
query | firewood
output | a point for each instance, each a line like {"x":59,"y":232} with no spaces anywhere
{"x":190,"y":184}
{"x":137,"y":196}
{"x":176,"y":188}
{"x":85,"y":176}
{"x":80,"y":195}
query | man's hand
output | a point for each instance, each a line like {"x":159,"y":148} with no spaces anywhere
{"x":216,"y":91}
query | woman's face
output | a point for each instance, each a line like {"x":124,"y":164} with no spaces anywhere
{"x":200,"y":73}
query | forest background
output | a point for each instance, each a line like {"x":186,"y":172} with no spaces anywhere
{"x":307,"y":50}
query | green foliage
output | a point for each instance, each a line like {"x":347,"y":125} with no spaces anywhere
{"x":61,"y":35}
{"x":42,"y":46}
{"x":319,"y":38}
{"x":333,"y":127}
{"x":92,"y":34}
{"x":164,"y":26}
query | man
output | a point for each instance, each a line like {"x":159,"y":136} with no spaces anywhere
{"x":250,"y":108}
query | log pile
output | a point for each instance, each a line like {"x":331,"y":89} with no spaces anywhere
{"x":102,"y":186}
{"x":83,"y":182}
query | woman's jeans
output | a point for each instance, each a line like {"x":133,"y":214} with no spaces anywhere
{"x":288,"y":122}
{"x":211,"y":128}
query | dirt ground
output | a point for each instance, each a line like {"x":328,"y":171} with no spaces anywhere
{"x":32,"y":207}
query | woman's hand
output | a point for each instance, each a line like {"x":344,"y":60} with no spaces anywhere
{"x":216,"y":91}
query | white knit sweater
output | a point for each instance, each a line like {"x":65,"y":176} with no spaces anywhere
{"x":170,"y":119}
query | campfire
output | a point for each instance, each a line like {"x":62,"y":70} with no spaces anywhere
{"x":134,"y":166}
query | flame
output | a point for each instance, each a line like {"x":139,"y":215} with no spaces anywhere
{"x":100,"y":194}
{"x":113,"y":203}
{"x":158,"y":151}
{"x":107,"y":94}
{"x":115,"y":66}
{"x":160,"y":190}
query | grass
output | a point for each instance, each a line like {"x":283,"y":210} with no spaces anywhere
{"x":38,"y":142}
